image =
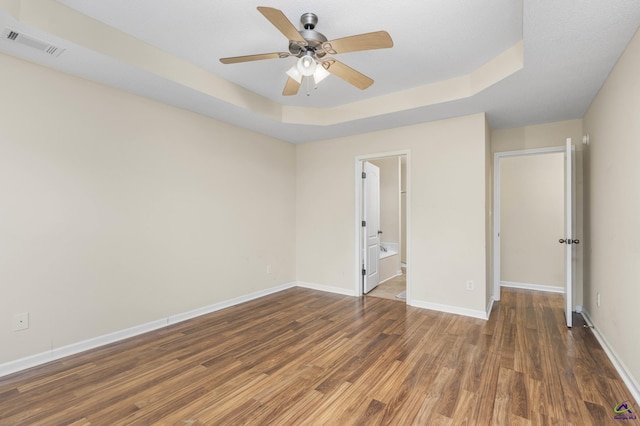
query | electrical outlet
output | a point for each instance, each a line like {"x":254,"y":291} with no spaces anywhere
{"x":268,"y":269}
{"x":470,"y":285}
{"x":598,"y":299}
{"x":21,"y":321}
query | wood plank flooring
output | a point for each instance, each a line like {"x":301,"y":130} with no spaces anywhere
{"x":307,"y":357}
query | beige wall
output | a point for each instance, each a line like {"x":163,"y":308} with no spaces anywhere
{"x":447,"y":209}
{"x":613,"y":225}
{"x":117,"y":210}
{"x":389,"y":267}
{"x":537,"y":136}
{"x":532,"y":219}
{"x":554,"y":135}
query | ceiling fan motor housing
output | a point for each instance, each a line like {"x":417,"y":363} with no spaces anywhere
{"x":314,"y":38}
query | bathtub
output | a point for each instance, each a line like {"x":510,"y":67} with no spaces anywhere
{"x":391,"y":249}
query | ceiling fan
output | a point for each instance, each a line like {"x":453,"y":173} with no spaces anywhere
{"x":312,"y":48}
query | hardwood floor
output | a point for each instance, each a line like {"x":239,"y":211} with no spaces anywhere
{"x":307,"y":357}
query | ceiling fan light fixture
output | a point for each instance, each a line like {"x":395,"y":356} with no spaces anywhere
{"x":295,"y":74}
{"x":306,"y":65}
{"x":320,"y":74}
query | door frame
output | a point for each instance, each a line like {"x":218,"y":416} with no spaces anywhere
{"x":358,"y":216}
{"x":497,"y":156}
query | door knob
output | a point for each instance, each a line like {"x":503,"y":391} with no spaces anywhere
{"x":379,"y":232}
{"x":568,"y":241}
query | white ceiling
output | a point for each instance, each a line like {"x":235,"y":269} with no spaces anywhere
{"x":570,"y":46}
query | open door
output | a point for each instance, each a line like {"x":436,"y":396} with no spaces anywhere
{"x":371,"y":225}
{"x":568,"y":240}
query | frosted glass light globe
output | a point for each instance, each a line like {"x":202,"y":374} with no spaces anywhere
{"x":306,"y":66}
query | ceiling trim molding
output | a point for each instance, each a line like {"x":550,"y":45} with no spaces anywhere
{"x":61,"y":21}
{"x":500,"y":67}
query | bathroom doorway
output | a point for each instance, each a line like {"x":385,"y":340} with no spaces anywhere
{"x":382,"y":200}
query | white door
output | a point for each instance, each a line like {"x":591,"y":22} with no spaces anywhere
{"x":371,"y":225}
{"x":568,"y":240}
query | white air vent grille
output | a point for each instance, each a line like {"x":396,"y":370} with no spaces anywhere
{"x":32,"y":42}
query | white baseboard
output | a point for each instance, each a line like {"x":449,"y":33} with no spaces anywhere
{"x":328,"y":289}
{"x":228,"y":303}
{"x":449,"y":309}
{"x":490,"y":306}
{"x":536,"y":287}
{"x":74,"y":348}
{"x":627,"y":378}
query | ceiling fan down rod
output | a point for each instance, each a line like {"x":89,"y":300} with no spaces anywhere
{"x":309,"y":20}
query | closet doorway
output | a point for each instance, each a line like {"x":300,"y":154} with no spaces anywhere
{"x":534,"y":238}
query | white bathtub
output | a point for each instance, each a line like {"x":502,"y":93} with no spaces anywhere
{"x":391,"y":249}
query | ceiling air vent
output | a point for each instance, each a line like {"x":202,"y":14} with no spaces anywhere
{"x":32,"y":42}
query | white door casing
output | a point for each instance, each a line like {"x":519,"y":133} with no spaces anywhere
{"x":371,"y":228}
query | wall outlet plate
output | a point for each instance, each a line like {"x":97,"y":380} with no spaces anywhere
{"x":21,"y":321}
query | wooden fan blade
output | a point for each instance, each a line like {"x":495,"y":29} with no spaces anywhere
{"x":368,"y":41}
{"x":259,"y":57}
{"x":347,"y":73}
{"x":277,"y":18}
{"x":291,"y":87}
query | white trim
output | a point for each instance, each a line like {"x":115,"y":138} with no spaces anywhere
{"x":95,"y":342}
{"x":450,"y":309}
{"x":496,"y":227}
{"x":326,"y":288}
{"x":358,"y":210}
{"x":496,"y":205}
{"x":74,"y":348}
{"x":228,"y":303}
{"x":536,"y":287}
{"x":490,"y":306}
{"x":358,"y":226}
{"x":625,"y":374}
